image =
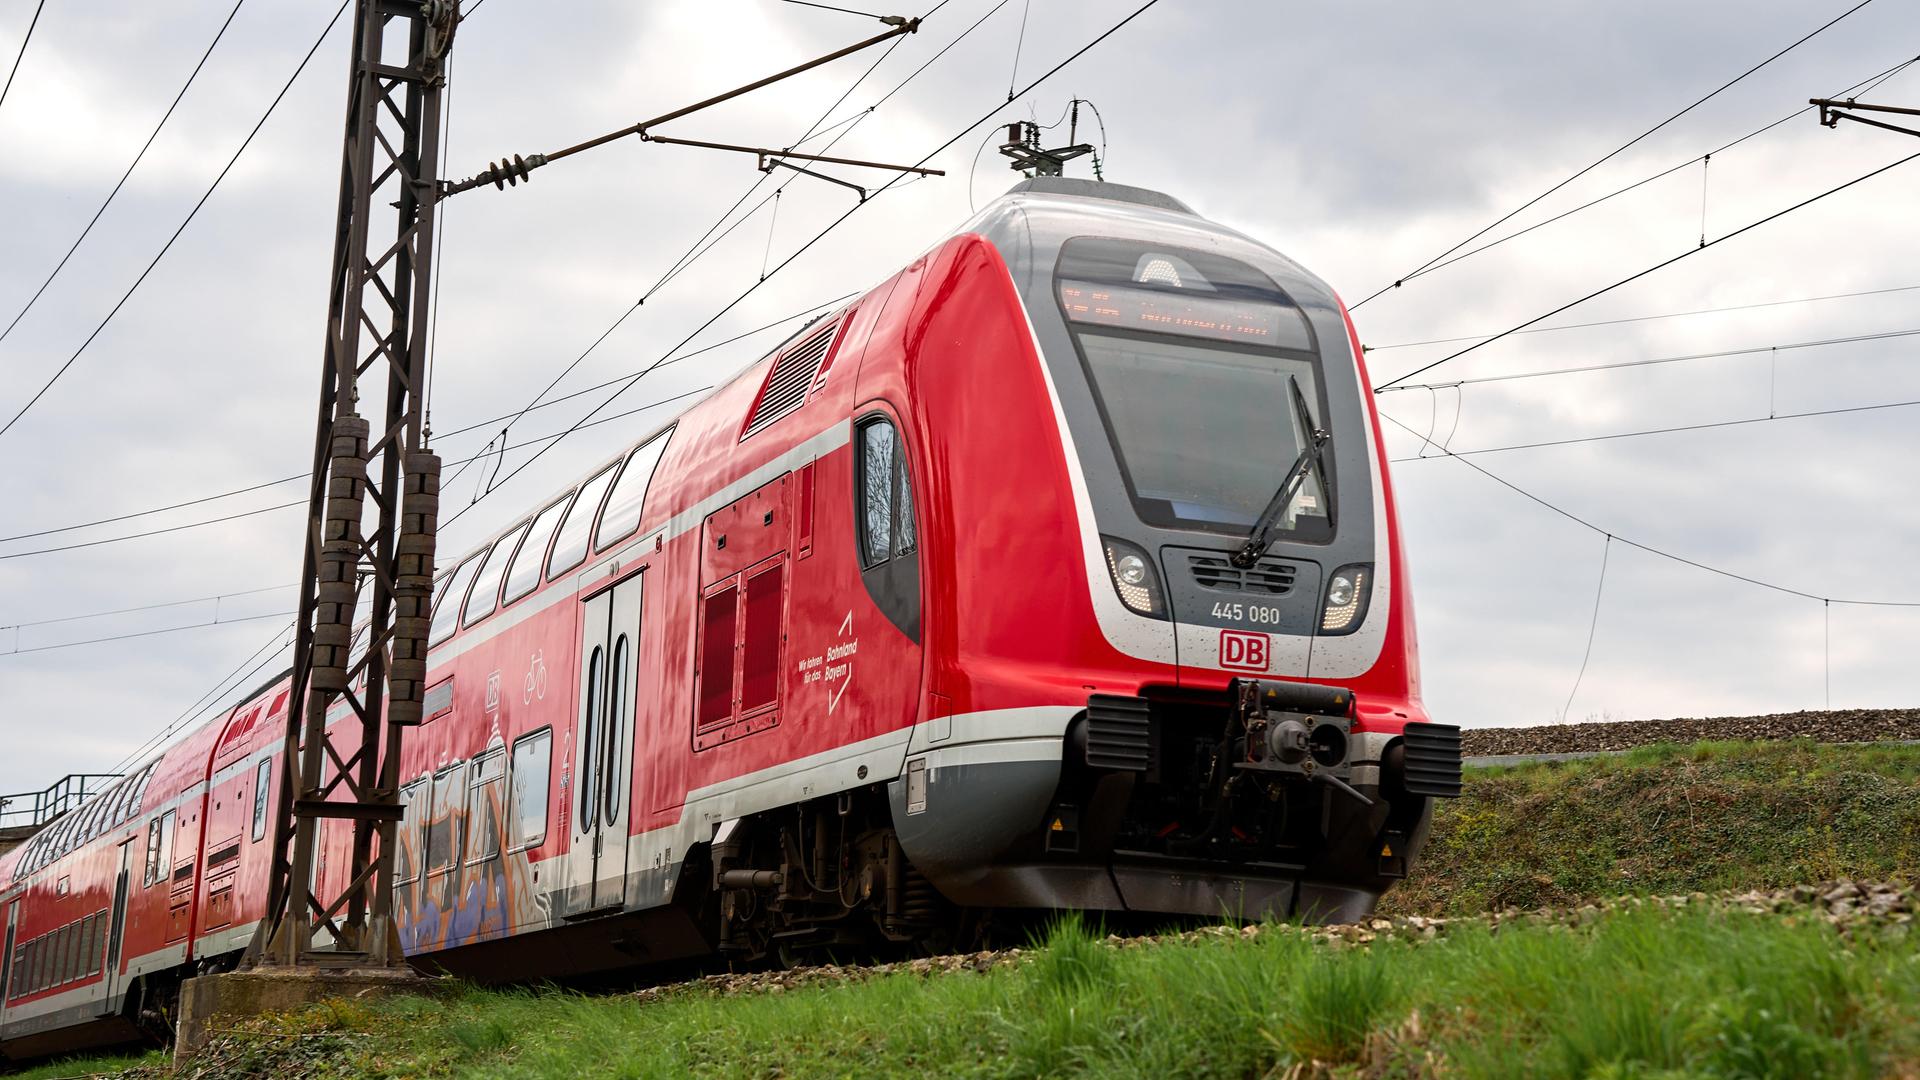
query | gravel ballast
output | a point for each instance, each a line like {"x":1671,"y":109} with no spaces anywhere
{"x":1837,"y":726}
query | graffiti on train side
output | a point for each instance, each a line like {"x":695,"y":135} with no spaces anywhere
{"x":461,"y":878}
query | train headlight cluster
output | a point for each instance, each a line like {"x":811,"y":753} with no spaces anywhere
{"x":1346,"y":601}
{"x":1134,"y":579}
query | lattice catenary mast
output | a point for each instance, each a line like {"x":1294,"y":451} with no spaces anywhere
{"x":373,"y":513}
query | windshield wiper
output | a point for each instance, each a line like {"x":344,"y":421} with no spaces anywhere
{"x":1261,"y":536}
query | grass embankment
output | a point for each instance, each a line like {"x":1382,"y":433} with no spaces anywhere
{"x":1699,"y":990}
{"x":1650,"y":992}
{"x":1670,"y":819}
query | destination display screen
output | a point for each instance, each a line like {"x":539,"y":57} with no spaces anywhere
{"x":1186,"y":314}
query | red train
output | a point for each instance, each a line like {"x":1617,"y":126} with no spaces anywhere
{"x":1060,"y":570}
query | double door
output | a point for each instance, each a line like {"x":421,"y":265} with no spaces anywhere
{"x":601,"y":810}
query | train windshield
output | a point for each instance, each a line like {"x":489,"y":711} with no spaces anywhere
{"x":1189,"y":356}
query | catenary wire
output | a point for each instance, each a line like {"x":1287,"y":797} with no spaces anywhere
{"x":1776,"y":215}
{"x":1593,"y":626}
{"x":111,"y":195}
{"x":217,"y":687}
{"x":444,"y":435}
{"x":148,"y":607}
{"x":585,"y":419}
{"x":694,"y":251}
{"x":1706,"y":426}
{"x":1697,"y":159}
{"x":830,"y":7}
{"x":1019,"y":43}
{"x":191,"y":214}
{"x":236,"y":620}
{"x":1611,"y":154}
{"x":817,"y":237}
{"x":1649,"y":318}
{"x":852,"y":121}
{"x":21,"y":55}
{"x":1617,"y":365}
{"x":1648,"y":548}
{"x":189,"y":714}
{"x":481,"y":456}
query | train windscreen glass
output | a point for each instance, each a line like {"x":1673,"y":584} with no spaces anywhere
{"x":1189,"y":356}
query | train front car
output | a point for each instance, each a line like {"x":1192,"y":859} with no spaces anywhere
{"x":1171,"y":661}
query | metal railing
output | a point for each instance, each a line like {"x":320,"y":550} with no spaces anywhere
{"x":32,"y":809}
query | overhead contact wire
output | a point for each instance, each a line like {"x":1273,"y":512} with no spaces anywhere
{"x":1115,"y":28}
{"x":21,"y":55}
{"x":137,"y":158}
{"x":191,"y":214}
{"x":1615,"y":152}
{"x":1666,"y":172}
{"x":1648,"y":548}
{"x":1776,"y":215}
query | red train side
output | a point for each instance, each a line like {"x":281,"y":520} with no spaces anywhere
{"x":911,"y":620}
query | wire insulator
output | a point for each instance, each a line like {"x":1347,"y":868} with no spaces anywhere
{"x":504,"y":173}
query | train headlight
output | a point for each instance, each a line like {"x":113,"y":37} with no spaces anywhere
{"x":1134,"y":579}
{"x":1346,"y":599}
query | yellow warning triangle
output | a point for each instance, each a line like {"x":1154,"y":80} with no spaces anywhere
{"x":1057,"y":827}
{"x":1386,"y":849}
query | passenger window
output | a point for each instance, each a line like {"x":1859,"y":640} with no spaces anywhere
{"x":532,"y":764}
{"x":445,"y":613}
{"x":443,"y":825}
{"x":159,"y":848}
{"x":622,"y":515}
{"x":262,"y":787}
{"x":570,"y":547}
{"x":616,"y":721}
{"x":589,"y":740}
{"x":486,"y":587}
{"x":405,"y":869}
{"x":484,"y":794}
{"x":886,"y":495}
{"x":523,"y":574}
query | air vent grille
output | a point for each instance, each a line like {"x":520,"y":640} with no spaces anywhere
{"x":793,"y":373}
{"x":1433,"y":759}
{"x":1268,"y":577}
{"x":1119,"y":732}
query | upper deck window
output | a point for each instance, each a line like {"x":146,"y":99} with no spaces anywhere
{"x":486,"y":587}
{"x":523,"y":574}
{"x":570,"y":546}
{"x":452,"y":592}
{"x":621,"y":518}
{"x":1190,"y":355}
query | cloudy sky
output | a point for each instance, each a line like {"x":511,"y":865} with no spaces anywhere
{"x":1360,"y":138}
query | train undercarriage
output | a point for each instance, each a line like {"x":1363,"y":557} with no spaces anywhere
{"x":1158,"y":810}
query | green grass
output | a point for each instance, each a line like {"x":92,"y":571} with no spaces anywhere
{"x":1632,"y":993}
{"x":1648,"y":992}
{"x":1669,"y":819}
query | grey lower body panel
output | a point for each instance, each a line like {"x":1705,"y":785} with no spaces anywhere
{"x":969,"y":827}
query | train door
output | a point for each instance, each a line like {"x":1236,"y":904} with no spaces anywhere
{"x":603,"y":748}
{"x":117,"y":919}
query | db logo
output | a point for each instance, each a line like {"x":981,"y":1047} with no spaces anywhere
{"x":1242,"y":651}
